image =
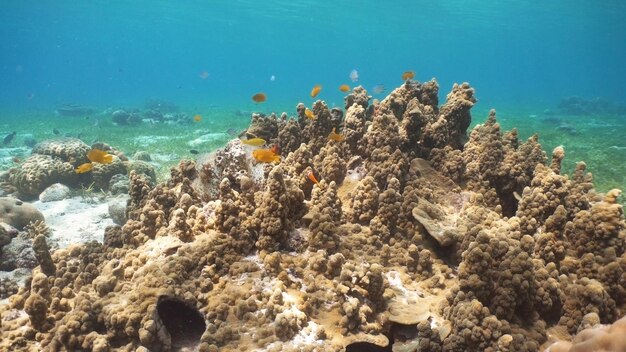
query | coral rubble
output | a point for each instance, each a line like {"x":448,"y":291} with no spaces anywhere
{"x":417,"y":234}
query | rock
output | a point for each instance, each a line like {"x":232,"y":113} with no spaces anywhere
{"x":440,"y":225}
{"x":42,"y":253}
{"x":17,"y":254}
{"x":142,"y":167}
{"x":57,"y":191}
{"x":17,"y":213}
{"x":74,"y":110}
{"x":5,"y":238}
{"x":30,"y":141}
{"x":102,"y":173}
{"x":142,"y":155}
{"x":118,"y":184}
{"x":117,"y":209}
{"x":124,"y":118}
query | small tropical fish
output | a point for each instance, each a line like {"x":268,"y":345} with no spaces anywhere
{"x":197,"y":118}
{"x":354,"y":75}
{"x":16,"y":160}
{"x":272,"y":78}
{"x":86,"y":167}
{"x":255,"y":142}
{"x":275,"y":149}
{"x":265,"y":156}
{"x":316,"y":90}
{"x":8,"y":138}
{"x":309,"y":114}
{"x":193,"y":151}
{"x":408,"y":75}
{"x":204,"y":75}
{"x":259,"y":97}
{"x":379,"y":88}
{"x":336,"y":136}
{"x":99,"y":156}
{"x":344,"y":88}
{"x":56,"y":131}
{"x":311,"y":177}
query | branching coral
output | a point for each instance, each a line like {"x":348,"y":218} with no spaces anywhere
{"x":280,"y":205}
{"x":326,"y":218}
{"x":364,"y":201}
{"x":362,"y":290}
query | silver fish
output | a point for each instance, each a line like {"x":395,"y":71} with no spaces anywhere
{"x":354,"y":75}
{"x":379,"y":88}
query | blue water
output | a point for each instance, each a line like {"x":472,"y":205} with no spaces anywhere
{"x":119,"y":53}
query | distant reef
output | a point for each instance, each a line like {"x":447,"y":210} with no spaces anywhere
{"x":417,"y":235}
{"x":595,"y":106}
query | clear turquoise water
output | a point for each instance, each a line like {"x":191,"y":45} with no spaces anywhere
{"x":521,"y":56}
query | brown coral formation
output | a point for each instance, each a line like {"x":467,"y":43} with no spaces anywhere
{"x":417,"y":234}
{"x":55,"y":161}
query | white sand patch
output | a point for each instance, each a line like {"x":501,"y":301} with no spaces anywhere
{"x":207,"y":139}
{"x":150,"y":140}
{"x":404,"y":295}
{"x":75,"y":220}
{"x":254,"y":258}
{"x":160,"y":158}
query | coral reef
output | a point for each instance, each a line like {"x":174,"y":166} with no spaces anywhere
{"x":411,"y":230}
{"x":55,"y":161}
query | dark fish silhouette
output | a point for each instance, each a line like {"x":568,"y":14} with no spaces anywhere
{"x":193,"y":151}
{"x":55,"y":131}
{"x":8,"y":138}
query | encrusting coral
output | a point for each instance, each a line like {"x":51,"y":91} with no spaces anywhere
{"x":409,"y":231}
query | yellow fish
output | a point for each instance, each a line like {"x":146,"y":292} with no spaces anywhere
{"x":255,"y":142}
{"x":408,"y":75}
{"x":344,"y":88}
{"x":266,"y":156}
{"x":259,"y":97}
{"x":86,"y":167}
{"x":316,"y":90}
{"x":99,"y":156}
{"x":309,"y":114}
{"x":336,"y":136}
{"x":197,"y":118}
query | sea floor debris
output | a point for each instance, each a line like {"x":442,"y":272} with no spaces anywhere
{"x":417,"y":235}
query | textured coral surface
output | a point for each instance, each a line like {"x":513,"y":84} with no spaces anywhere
{"x":419,"y":234}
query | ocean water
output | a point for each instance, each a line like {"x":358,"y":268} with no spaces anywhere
{"x":210,"y":57}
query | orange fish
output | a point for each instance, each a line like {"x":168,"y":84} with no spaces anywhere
{"x":309,"y":114}
{"x":86,"y":167}
{"x":197,"y":118}
{"x":336,"y":136}
{"x":316,"y":90}
{"x":265,"y":156}
{"x":99,"y":156}
{"x":408,"y":75}
{"x":311,"y":177}
{"x":259,"y":97}
{"x":344,"y":88}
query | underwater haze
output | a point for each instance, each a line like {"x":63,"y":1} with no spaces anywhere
{"x":209,"y":57}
